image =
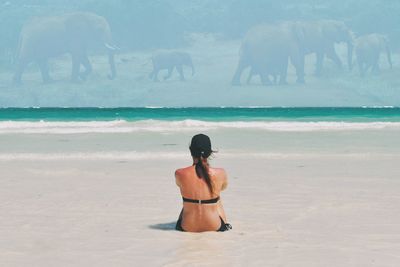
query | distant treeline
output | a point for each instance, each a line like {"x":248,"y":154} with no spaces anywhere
{"x":147,"y":24}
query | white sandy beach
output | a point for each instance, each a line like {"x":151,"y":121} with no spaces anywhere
{"x":322,"y":198}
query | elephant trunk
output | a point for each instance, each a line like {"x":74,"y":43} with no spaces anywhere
{"x":111,"y":62}
{"x":193,"y":71}
{"x":107,"y":39}
{"x":350,"y":54}
{"x":187,"y":60}
{"x":389,"y":57}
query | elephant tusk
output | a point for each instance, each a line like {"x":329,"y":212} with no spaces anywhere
{"x":110,"y":47}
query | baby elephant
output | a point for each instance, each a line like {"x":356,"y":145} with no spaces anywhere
{"x":265,"y":76}
{"x":368,"y":49}
{"x":169,"y":60}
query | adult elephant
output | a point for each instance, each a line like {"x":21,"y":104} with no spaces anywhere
{"x":170,"y":60}
{"x":267,"y":48}
{"x":46,"y":37}
{"x":368,"y":49}
{"x":320,"y":37}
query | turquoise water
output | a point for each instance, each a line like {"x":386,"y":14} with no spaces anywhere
{"x":205,"y":114}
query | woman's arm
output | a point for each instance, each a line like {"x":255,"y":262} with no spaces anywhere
{"x":221,"y":211}
{"x":177,"y":178}
{"x":224,"y":180}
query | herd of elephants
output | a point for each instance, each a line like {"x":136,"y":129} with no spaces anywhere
{"x":266,"y":49}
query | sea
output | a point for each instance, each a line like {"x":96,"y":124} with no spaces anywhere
{"x":158,"y":119}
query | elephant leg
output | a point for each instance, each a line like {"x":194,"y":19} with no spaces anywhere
{"x":19,"y":71}
{"x":44,"y":69}
{"x":251,"y":74}
{"x":238,"y":73}
{"x":265,"y":78}
{"x":283,"y":79}
{"x":368,"y":68}
{"x":248,"y":81}
{"x":361,"y":68}
{"x":375,"y":69}
{"x":169,"y":74}
{"x":76,"y":64}
{"x":179,"y":68}
{"x":88,"y":68}
{"x":151,"y":74}
{"x":320,"y":63}
{"x":297,"y":58}
{"x":155,"y":75}
{"x":375,"y":65}
{"x":331,"y":54}
{"x":300,"y":70}
{"x":283,"y":71}
{"x":274,"y":78}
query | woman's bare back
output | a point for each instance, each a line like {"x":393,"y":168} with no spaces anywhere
{"x":201,"y":217}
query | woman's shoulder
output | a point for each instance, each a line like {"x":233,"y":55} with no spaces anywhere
{"x":219,"y":172}
{"x":181,"y":171}
{"x":220,"y":177}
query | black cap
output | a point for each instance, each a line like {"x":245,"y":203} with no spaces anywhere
{"x":200,"y":146}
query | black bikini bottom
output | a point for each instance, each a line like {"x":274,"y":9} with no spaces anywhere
{"x":224,"y":226}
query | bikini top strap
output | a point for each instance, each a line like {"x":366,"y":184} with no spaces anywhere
{"x":199,"y":201}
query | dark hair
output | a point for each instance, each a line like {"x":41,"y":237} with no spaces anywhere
{"x":200,"y":148}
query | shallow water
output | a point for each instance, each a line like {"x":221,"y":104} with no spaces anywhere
{"x":223,"y":114}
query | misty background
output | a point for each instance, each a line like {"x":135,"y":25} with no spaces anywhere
{"x":211,"y":32}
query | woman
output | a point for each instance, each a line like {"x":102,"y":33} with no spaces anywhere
{"x":200,"y":186}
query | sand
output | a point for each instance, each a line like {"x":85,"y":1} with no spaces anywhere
{"x":294,"y":199}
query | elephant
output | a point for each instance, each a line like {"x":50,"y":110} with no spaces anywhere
{"x":266,"y":49}
{"x":169,"y":60}
{"x":320,"y":37}
{"x":274,"y":76}
{"x":368,"y":49}
{"x":46,"y":37}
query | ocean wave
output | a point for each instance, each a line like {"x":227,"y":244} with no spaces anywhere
{"x":157,"y":155}
{"x":379,"y":107}
{"x":162,"y":126}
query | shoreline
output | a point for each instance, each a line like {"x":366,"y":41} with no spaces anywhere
{"x":82,"y":114}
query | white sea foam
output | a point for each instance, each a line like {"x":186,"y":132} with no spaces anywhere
{"x":156,"y":155}
{"x":122,"y":126}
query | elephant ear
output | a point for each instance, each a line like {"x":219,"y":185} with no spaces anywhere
{"x":330,"y":30}
{"x":352,"y":36}
{"x":335,"y":31}
{"x":385,"y":43}
{"x":77,"y":27}
{"x":386,"y":40}
{"x":298,"y":34}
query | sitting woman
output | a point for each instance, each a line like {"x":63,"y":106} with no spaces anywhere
{"x":200,"y":187}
